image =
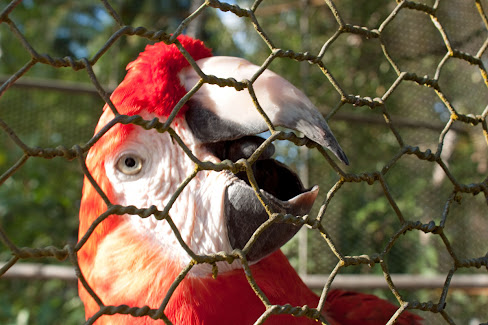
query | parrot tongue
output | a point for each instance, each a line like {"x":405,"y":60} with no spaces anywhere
{"x":244,"y":212}
{"x":298,"y":206}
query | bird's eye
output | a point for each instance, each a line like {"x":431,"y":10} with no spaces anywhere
{"x":130,"y":164}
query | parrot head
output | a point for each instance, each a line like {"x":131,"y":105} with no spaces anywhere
{"x":133,"y":260}
{"x":217,"y":210}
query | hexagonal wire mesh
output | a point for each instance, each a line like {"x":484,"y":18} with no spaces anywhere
{"x":425,"y":185}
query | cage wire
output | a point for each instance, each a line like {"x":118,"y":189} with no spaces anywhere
{"x":427,"y":184}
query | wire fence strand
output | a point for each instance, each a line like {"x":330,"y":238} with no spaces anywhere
{"x":458,"y":119}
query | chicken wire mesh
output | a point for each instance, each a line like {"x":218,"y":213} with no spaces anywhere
{"x":431,"y":116}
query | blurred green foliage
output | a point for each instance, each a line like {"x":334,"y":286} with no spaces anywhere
{"x":39,"y":203}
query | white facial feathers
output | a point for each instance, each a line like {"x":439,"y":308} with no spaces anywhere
{"x":197,"y":211}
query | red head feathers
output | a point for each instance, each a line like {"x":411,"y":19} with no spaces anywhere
{"x":155,"y":72}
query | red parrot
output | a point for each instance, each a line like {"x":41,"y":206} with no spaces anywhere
{"x":129,"y":260}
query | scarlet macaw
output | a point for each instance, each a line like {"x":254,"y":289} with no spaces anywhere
{"x":129,"y":260}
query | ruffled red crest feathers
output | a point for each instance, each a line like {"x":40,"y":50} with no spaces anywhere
{"x":152,"y":83}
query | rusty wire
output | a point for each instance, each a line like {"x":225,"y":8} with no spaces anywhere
{"x":250,"y":15}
